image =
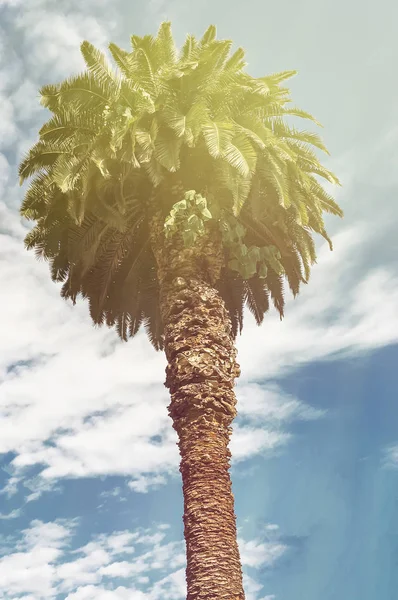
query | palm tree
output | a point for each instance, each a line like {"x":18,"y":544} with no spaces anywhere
{"x":170,"y":191}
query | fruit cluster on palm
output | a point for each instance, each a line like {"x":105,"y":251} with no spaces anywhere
{"x":170,"y":192}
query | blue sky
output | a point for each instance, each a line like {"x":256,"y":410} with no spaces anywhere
{"x":90,"y":498}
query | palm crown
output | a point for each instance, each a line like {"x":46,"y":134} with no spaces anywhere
{"x":189,"y":134}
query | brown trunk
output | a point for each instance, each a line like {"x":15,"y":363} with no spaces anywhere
{"x":200,"y":375}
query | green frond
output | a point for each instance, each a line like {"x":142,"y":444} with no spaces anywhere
{"x":153,"y":322}
{"x":105,"y":270}
{"x":102,"y":202}
{"x":84,"y":237}
{"x":275,"y":286}
{"x":189,"y":48}
{"x":76,"y":206}
{"x":196,"y":117}
{"x":39,"y":157}
{"x":36,"y":197}
{"x":327,"y":202}
{"x":297,"y":112}
{"x":293,"y":271}
{"x":59,"y":267}
{"x":172,"y":121}
{"x":240,"y":154}
{"x":63,"y":128}
{"x":69,"y":169}
{"x":167,"y":151}
{"x":122,"y":325}
{"x":327,"y":238}
{"x":145,"y":70}
{"x":235,"y":62}
{"x":146,"y":139}
{"x":237,"y":184}
{"x":231,"y":288}
{"x":98,"y":65}
{"x":145,"y":42}
{"x":209,"y":35}
{"x":175,"y":119}
{"x":212,"y":62}
{"x":44,"y":239}
{"x":275,"y":174}
{"x":165,"y":44}
{"x":304,"y":244}
{"x":277,"y":78}
{"x":50,"y":96}
{"x":263,"y":233}
{"x":282,"y":130}
{"x":86,"y":92}
{"x":217,"y":137}
{"x":307,"y":161}
{"x":256,"y":297}
{"x":254,"y":130}
{"x":122,"y":58}
{"x":154,"y":170}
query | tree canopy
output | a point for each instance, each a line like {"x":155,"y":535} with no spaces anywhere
{"x":189,"y":133}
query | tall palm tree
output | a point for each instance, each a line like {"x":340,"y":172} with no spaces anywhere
{"x":170,"y":191}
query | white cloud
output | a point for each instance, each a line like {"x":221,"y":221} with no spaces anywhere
{"x":256,"y":554}
{"x":30,"y":570}
{"x":43,"y":564}
{"x":54,"y":39}
{"x":251,"y":587}
{"x":391,"y":457}
{"x":270,"y":404}
{"x":14,"y":514}
{"x":8,"y":128}
{"x":11,"y":486}
{"x":144,"y":483}
{"x":11,"y":3}
{"x":248,"y":441}
{"x":25,"y":102}
{"x":92,"y":592}
{"x":272,"y":527}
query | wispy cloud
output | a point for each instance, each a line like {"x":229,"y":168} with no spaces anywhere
{"x":126,"y":564}
{"x":100,"y":415}
{"x":390,"y":459}
{"x":14,"y":514}
{"x":144,"y":483}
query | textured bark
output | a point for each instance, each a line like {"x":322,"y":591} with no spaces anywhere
{"x":200,"y":375}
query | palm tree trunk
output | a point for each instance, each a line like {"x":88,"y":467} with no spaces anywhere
{"x":200,"y":376}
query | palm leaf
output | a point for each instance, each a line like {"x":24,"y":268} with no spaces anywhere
{"x":231,"y":288}
{"x":209,"y":35}
{"x":98,"y":65}
{"x":256,"y":296}
{"x":217,"y":137}
{"x":40,"y":156}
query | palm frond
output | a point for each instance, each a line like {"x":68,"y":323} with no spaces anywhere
{"x":217,"y":137}
{"x":86,"y":92}
{"x":158,"y":121}
{"x":40,"y":156}
{"x":274,"y":284}
{"x":209,"y":35}
{"x":256,"y":297}
{"x":231,"y":288}
{"x":98,"y":65}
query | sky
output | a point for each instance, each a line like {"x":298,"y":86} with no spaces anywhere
{"x":90,"y":495}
